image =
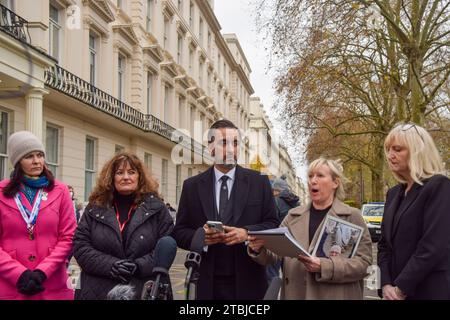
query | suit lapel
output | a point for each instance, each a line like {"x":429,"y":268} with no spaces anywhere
{"x":240,"y":190}
{"x":206,"y":194}
{"x":413,"y":193}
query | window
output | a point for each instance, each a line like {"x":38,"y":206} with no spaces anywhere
{"x":200,"y":31}
{"x":8,"y":3}
{"x":224,"y":74}
{"x":119,"y":3}
{"x":218,"y":64}
{"x":150,"y":4}
{"x":178,"y":184}
{"x":218,"y":98}
{"x":120,"y":76}
{"x":189,"y":172}
{"x":191,"y":15}
{"x":191,"y":60}
{"x":89,"y":173}
{"x":3,"y":139}
{"x":208,"y":84}
{"x":92,"y":59}
{"x":192,"y":119}
{"x":164,"y":174}
{"x":167,"y":93}
{"x":180,"y":6}
{"x":148,"y":160}
{"x":200,"y":74}
{"x":51,"y":149}
{"x":209,"y":43}
{"x":149,"y":91}
{"x":202,"y":123}
{"x":118,"y":148}
{"x":180,"y":50}
{"x":166,"y":33}
{"x":54,"y":29}
{"x":181,"y":110}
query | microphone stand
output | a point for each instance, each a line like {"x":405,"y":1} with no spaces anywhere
{"x":159,"y":290}
{"x":192,"y":276}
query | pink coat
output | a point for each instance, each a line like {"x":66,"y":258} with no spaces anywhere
{"x":54,"y":230}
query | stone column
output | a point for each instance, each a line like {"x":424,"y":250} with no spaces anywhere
{"x":34,"y":111}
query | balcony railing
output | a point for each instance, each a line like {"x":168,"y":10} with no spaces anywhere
{"x":75,"y":87}
{"x":14,"y":25}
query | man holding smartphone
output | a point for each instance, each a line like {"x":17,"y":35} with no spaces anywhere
{"x":239,"y":198}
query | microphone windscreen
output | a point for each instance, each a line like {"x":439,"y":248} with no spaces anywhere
{"x":274,"y":289}
{"x":121,"y":292}
{"x":165,"y":252}
{"x":198,"y":240}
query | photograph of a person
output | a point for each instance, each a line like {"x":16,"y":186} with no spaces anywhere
{"x":337,"y":238}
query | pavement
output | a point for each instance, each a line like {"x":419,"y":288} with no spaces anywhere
{"x":178,"y":273}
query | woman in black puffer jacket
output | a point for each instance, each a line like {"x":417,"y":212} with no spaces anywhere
{"x":116,"y":237}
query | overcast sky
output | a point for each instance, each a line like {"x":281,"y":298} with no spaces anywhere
{"x":238,"y":16}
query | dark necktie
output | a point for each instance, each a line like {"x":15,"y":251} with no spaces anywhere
{"x":223,"y":199}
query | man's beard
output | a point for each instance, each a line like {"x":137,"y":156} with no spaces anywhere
{"x":229,"y":162}
{"x":229,"y":165}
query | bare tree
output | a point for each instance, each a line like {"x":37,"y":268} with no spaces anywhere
{"x":354,"y":68}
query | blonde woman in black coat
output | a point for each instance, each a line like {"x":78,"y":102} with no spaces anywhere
{"x":414,"y":250}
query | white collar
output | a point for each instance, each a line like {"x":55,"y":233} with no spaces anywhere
{"x":218,"y":174}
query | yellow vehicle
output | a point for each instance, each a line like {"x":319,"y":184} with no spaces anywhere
{"x":373,"y":215}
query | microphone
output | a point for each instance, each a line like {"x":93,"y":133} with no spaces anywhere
{"x":273,"y":290}
{"x":121,"y":292}
{"x":164,"y":254}
{"x":193,"y":259}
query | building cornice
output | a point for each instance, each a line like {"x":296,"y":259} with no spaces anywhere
{"x":168,"y":9}
{"x":155,"y":51}
{"x":126,"y":30}
{"x":232,"y":38}
{"x":102,"y":8}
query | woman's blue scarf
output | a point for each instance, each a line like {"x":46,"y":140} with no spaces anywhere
{"x":31,"y":187}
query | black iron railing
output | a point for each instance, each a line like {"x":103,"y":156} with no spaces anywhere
{"x":75,"y":87}
{"x":14,"y":25}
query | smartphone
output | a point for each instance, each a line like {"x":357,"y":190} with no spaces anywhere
{"x":216,"y":225}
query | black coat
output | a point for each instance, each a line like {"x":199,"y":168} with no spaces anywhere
{"x":98,"y":244}
{"x":253,"y":209}
{"x":414,"y":249}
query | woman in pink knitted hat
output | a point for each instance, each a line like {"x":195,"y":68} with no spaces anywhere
{"x":37,"y":224}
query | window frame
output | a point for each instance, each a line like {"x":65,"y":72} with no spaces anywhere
{"x":93,"y":58}
{"x":54,"y":26}
{"x":91,"y":171}
{"x":121,"y":76}
{"x":164,"y":177}
{"x":4,"y":156}
{"x":52,"y":165}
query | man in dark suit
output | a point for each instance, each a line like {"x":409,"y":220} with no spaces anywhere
{"x":242,"y":199}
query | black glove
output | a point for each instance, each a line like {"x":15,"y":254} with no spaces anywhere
{"x":130,"y":265}
{"x":123,"y":270}
{"x":38,"y":276}
{"x":29,"y":283}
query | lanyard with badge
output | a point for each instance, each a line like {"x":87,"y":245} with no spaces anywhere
{"x":29,"y":217}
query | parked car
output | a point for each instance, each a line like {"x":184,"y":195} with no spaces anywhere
{"x":373,"y":215}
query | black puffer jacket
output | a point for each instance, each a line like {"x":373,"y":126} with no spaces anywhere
{"x":98,"y":244}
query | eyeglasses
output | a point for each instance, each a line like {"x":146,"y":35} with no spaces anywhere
{"x":410,"y":125}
